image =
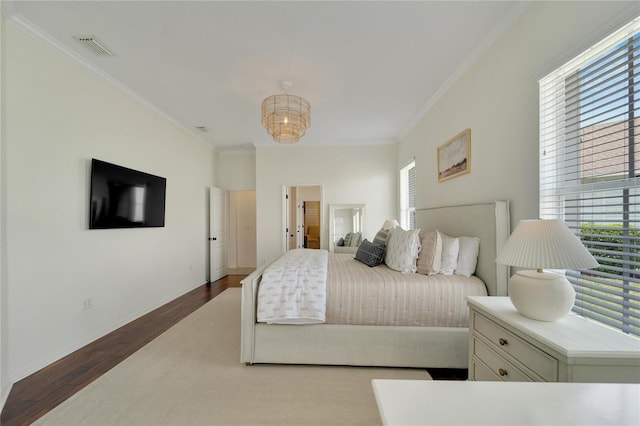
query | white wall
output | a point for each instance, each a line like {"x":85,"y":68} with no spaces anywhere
{"x":236,"y":170}
{"x":498,"y":99}
{"x":349,"y":175}
{"x":5,"y":383}
{"x":58,"y":117}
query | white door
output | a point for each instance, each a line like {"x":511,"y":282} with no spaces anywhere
{"x":217,"y":233}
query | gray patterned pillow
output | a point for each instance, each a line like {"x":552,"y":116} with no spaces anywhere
{"x":370,"y":254}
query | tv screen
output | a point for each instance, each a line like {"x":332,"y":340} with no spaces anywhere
{"x":125,"y":198}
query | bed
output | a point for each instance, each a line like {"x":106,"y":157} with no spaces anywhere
{"x":384,"y":345}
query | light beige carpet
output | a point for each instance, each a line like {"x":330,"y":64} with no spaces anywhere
{"x":192,"y":375}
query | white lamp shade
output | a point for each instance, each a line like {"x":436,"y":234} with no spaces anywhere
{"x":545,"y":244}
{"x":390,"y":224}
{"x":541,"y":244}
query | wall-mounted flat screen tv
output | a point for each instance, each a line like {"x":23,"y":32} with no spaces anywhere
{"x":125,"y":198}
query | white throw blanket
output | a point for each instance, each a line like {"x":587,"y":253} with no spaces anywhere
{"x":293,"y":289}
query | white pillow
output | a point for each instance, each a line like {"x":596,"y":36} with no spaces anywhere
{"x":402,"y":250}
{"x":430,"y":255}
{"x":450,"y":249}
{"x":468,"y":256}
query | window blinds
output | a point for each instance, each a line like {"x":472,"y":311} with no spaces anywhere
{"x":590,"y":171}
{"x":408,"y":196}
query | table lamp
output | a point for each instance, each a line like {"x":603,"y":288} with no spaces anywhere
{"x":390,"y":224}
{"x":543,"y":244}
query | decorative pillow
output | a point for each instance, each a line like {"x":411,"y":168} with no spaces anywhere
{"x":402,"y":250}
{"x":340,"y":242}
{"x":430,"y":256}
{"x":356,"y":239}
{"x":370,"y":254}
{"x":347,"y":239}
{"x":450,"y":249}
{"x":467,"y":256}
{"x":381,"y":237}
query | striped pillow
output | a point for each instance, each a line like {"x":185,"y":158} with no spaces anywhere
{"x":356,"y":239}
{"x":381,"y":237}
{"x":430,"y":256}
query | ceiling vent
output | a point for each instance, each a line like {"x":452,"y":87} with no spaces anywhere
{"x":94,"y":45}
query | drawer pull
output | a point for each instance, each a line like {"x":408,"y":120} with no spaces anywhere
{"x":502,"y":372}
{"x":503,"y":342}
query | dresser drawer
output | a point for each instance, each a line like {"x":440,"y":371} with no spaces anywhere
{"x":500,"y":367}
{"x":482,"y":373}
{"x":505,"y":342}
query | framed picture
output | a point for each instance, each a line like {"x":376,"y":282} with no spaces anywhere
{"x":454,"y":156}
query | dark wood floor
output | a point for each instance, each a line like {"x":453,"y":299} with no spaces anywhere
{"x":37,"y":394}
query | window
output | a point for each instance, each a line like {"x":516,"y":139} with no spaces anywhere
{"x":408,"y":196}
{"x":590,"y":171}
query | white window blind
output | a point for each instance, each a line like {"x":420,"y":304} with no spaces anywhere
{"x":408,"y":196}
{"x":590,"y":171}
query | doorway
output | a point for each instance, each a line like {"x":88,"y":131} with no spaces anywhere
{"x":303,"y":217}
{"x":242,"y":241}
{"x":311,"y":224}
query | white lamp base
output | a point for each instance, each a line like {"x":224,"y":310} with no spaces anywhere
{"x":542,"y":296}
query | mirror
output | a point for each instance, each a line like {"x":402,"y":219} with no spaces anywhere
{"x":346,"y":219}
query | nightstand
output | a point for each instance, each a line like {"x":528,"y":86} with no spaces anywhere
{"x":506,"y":346}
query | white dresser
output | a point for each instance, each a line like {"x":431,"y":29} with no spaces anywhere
{"x":506,"y":346}
{"x":450,"y":402}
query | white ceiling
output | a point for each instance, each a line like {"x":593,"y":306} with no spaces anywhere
{"x":369,"y":69}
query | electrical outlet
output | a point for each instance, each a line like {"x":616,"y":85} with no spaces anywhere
{"x":87,"y":304}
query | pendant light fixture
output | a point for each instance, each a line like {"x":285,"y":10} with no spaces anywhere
{"x":286,"y":117}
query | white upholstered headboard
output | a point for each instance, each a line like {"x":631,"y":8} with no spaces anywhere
{"x":488,"y":221}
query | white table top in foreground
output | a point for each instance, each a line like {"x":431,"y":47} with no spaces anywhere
{"x":426,"y":402}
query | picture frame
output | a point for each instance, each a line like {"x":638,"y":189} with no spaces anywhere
{"x":454,"y":156}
